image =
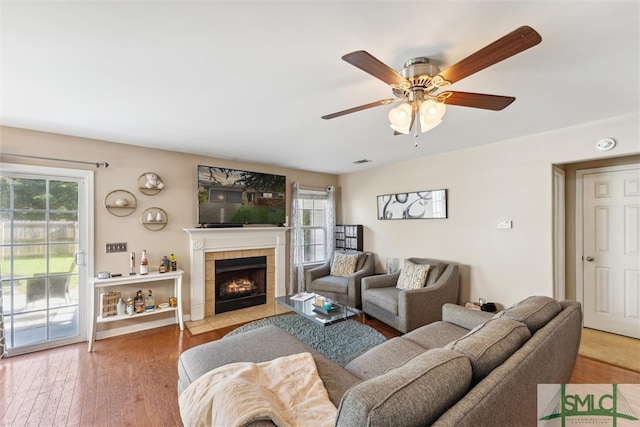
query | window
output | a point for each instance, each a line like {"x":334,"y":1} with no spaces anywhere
{"x":313,"y":212}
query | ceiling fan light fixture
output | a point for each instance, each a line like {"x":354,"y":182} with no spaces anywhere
{"x":400,"y":118}
{"x":431,"y":112}
{"x":417,"y":82}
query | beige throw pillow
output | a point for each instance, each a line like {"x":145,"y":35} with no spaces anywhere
{"x":412,"y":276}
{"x":344,"y":265}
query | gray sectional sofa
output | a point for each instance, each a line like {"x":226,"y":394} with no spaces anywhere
{"x":472,"y":368}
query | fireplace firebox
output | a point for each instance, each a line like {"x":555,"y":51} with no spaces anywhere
{"x":240,"y":283}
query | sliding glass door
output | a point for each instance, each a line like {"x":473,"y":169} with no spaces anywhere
{"x":44,"y":214}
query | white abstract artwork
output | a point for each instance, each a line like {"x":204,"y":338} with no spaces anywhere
{"x":416,"y":205}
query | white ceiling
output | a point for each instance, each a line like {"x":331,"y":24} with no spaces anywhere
{"x":250,"y":80}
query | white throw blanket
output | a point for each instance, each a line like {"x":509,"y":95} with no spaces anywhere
{"x":287,"y":391}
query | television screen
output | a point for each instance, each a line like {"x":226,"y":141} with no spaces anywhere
{"x":235,"y":197}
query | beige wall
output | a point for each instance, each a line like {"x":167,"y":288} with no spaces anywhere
{"x":126,"y":164}
{"x":505,"y":180}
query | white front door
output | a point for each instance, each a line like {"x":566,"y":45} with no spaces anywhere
{"x":611,"y":249}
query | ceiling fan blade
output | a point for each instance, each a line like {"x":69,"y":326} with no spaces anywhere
{"x":515,"y":42}
{"x":375,"y":67}
{"x":479,"y":100}
{"x":359,"y":108}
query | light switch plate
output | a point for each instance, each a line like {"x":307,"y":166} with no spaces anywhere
{"x":116,"y":247}
{"x":505,"y":223}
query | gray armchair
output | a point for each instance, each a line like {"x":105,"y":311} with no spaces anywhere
{"x":345,"y":290}
{"x":406,"y":310}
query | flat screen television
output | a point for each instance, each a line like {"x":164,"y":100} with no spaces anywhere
{"x":233,"y":197}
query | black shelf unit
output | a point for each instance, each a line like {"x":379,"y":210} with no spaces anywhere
{"x":349,"y":237}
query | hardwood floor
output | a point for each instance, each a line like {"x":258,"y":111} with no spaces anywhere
{"x":131,"y":380}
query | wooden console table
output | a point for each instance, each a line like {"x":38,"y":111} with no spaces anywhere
{"x":98,"y":285}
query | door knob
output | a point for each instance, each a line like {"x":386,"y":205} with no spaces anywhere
{"x":590,"y":258}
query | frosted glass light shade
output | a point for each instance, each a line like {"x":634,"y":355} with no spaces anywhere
{"x":432,"y":111}
{"x":430,"y":114}
{"x":426,"y":127}
{"x":400,"y":118}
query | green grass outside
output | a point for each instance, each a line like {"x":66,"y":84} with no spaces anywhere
{"x":30,"y":266}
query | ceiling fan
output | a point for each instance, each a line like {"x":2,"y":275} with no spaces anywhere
{"x":419,"y":80}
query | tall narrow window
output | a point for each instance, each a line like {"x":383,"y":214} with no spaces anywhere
{"x":313,"y":226}
{"x":317,"y":226}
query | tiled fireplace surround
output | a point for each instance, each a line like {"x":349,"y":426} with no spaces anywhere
{"x":210,"y":244}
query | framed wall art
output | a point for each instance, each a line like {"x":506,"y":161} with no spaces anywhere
{"x":417,"y":205}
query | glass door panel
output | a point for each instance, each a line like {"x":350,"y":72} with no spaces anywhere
{"x":40,"y":280}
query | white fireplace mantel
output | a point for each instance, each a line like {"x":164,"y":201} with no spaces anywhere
{"x":205,"y":240}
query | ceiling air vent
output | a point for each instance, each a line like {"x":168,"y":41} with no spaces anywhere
{"x":359,"y":162}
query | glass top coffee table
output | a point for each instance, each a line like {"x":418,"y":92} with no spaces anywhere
{"x":307,"y":308}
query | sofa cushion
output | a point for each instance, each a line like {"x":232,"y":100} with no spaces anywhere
{"x":464,"y":317}
{"x":412,"y":275}
{"x":383,"y":357}
{"x":335,"y":284}
{"x":385,"y":298}
{"x":250,"y":347}
{"x":535,"y":312}
{"x":416,"y":393}
{"x":436,"y":334}
{"x":490,"y":344}
{"x":343,"y":264}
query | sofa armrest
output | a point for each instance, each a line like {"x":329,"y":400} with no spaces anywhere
{"x":464,"y":317}
{"x":380,"y":281}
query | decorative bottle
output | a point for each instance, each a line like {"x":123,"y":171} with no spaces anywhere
{"x":144,"y":263}
{"x":130,"y":308}
{"x":149,"y":302}
{"x":174,"y":263}
{"x":139,"y":302}
{"x":120,"y":308}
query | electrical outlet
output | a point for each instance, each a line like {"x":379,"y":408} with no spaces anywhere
{"x":116,"y":247}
